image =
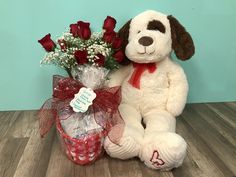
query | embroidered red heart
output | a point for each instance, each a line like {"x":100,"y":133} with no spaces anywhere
{"x":156,"y":160}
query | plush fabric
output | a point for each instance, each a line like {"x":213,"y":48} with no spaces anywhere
{"x":160,"y":97}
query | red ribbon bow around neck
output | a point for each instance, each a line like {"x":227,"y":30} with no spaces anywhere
{"x":139,"y":69}
{"x":107,"y":100}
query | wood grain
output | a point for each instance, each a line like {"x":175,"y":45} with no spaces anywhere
{"x":10,"y":155}
{"x":36,"y":155}
{"x":23,"y":125}
{"x":125,"y":168}
{"x":227,"y":114}
{"x":101,"y":167}
{"x":231,"y":105}
{"x":209,"y":130}
{"x":218,"y":144}
{"x":7,"y":121}
{"x":59,"y":165}
{"x":147,"y":172}
{"x":199,"y":156}
{"x":226,"y":130}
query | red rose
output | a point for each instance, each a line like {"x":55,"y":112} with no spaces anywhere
{"x":109,"y":36}
{"x":116,"y":44}
{"x":109,"y":23}
{"x":119,"y":56}
{"x":100,"y":59}
{"x":62,"y":44}
{"x":74,"y":30}
{"x":47,"y":43}
{"x":84,"y":30}
{"x":81,"y":56}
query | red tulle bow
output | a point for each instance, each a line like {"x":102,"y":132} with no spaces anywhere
{"x":64,"y":89}
{"x":139,"y":69}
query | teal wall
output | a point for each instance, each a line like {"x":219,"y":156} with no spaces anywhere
{"x":25,"y":85}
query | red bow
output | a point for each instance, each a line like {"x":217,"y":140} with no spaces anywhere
{"x":64,"y":89}
{"x":139,"y":68}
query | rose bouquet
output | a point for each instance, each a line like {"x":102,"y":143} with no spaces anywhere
{"x":83,"y":108}
{"x":79,"y":46}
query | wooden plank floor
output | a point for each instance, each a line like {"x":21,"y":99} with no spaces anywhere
{"x":209,"y":129}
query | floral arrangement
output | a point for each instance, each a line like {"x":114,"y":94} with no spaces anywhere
{"x":82,"y":107}
{"x":79,"y":46}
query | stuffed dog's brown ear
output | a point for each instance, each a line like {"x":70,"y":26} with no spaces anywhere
{"x":123,"y":33}
{"x":182,"y":42}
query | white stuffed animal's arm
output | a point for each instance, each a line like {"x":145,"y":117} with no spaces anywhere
{"x":117,"y":77}
{"x":178,"y":90}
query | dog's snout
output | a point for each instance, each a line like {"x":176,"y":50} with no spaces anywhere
{"x":145,"y":41}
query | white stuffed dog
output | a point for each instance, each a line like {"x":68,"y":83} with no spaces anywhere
{"x":154,"y":90}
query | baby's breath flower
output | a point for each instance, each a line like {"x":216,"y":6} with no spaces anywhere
{"x":94,"y":46}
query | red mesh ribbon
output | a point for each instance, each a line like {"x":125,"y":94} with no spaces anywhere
{"x":139,"y":68}
{"x":107,"y":101}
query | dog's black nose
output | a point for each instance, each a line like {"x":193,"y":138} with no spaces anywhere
{"x":145,"y":41}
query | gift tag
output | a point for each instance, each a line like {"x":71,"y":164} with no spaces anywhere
{"x":83,"y":99}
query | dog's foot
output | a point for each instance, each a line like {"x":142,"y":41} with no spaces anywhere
{"x":129,"y":145}
{"x":163,"y":151}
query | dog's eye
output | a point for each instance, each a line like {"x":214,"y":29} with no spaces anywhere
{"x":139,"y":31}
{"x":156,"y":25}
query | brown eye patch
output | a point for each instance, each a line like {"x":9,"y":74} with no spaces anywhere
{"x":156,"y":25}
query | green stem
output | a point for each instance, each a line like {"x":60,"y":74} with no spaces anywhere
{"x":68,"y":72}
